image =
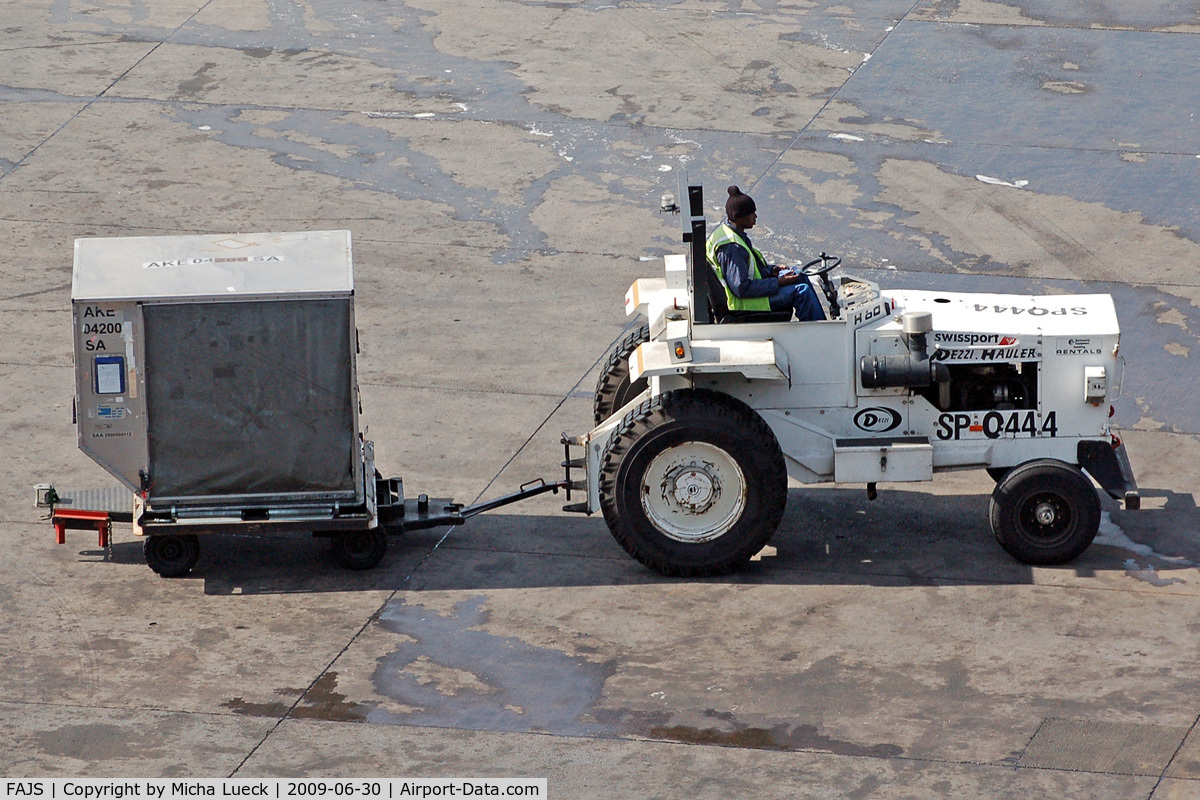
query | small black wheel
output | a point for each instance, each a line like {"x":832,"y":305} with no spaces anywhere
{"x":614,"y":389}
{"x":693,"y":483}
{"x":1045,"y":512}
{"x":359,"y":549}
{"x":172,"y":555}
{"x":997,"y":473}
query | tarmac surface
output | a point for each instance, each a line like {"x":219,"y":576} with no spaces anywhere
{"x":500,"y":165}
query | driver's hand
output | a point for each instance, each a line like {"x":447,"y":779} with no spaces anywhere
{"x":789,"y":279}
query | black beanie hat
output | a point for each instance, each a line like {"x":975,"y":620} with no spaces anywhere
{"x":738,"y":205}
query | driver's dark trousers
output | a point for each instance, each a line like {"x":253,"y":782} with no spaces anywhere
{"x":802,"y":298}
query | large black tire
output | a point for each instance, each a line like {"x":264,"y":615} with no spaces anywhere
{"x":614,"y":389}
{"x":359,"y":549}
{"x":1045,"y":512}
{"x":173,"y":555}
{"x":692,"y":483}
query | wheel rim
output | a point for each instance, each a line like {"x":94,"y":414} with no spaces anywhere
{"x":171,"y":550}
{"x":357,"y":546}
{"x":1045,"y":518}
{"x":693,"y":492}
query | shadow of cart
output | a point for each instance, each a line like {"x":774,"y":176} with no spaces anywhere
{"x":828,"y":536}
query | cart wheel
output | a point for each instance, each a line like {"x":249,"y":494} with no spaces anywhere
{"x":359,"y":549}
{"x":693,"y":483}
{"x":1045,"y":512}
{"x":614,"y":389}
{"x":173,"y":555}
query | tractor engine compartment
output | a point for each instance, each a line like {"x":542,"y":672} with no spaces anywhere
{"x":985,"y":387}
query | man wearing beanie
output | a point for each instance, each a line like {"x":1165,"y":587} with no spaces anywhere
{"x":751,"y":284}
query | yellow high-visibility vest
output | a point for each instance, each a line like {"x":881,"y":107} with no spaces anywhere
{"x":723,"y":235}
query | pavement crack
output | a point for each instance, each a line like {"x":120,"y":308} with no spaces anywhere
{"x":832,"y":97}
{"x":35,"y":293}
{"x":1174,"y":755}
{"x":16,"y":166}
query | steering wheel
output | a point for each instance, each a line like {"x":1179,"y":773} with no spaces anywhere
{"x":821,"y":265}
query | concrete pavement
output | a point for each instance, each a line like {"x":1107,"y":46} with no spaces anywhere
{"x":500,"y":165}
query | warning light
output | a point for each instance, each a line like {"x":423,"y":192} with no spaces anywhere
{"x":679,"y":351}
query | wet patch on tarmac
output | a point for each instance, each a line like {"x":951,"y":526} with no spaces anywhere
{"x":410,"y":53}
{"x":1002,"y":73}
{"x":1148,"y":574}
{"x":952,"y":207}
{"x":557,"y":165}
{"x":453,"y":673}
{"x":1106,"y":14}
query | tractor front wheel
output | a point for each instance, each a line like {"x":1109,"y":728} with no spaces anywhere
{"x":1045,"y":512}
{"x":693,"y":483}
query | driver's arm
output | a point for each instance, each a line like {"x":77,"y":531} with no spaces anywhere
{"x":736,"y":267}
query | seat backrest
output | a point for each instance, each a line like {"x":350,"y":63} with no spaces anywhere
{"x":716,"y":295}
{"x":720,"y":308}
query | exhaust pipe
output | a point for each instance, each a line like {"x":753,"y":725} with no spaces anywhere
{"x":911,"y":370}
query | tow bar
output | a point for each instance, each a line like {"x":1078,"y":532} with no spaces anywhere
{"x":421,"y":513}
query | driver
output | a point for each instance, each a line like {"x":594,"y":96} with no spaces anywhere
{"x":751,"y":284}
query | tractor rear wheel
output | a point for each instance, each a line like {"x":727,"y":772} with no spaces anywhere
{"x":614,"y":389}
{"x":1045,"y":512}
{"x":693,"y":483}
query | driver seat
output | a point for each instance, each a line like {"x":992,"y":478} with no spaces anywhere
{"x":720,"y":309}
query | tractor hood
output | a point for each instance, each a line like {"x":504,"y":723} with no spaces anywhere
{"x":974,"y":319}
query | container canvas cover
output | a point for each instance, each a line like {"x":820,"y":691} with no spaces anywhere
{"x":250,"y":398}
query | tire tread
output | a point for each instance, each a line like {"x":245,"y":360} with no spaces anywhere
{"x":616,"y":372}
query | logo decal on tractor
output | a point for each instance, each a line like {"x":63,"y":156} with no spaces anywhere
{"x":1078,"y":347}
{"x":975,"y":338}
{"x":877,"y":420}
{"x":987,"y":354}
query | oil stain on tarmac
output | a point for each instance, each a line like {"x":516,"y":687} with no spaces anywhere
{"x":319,"y":701}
